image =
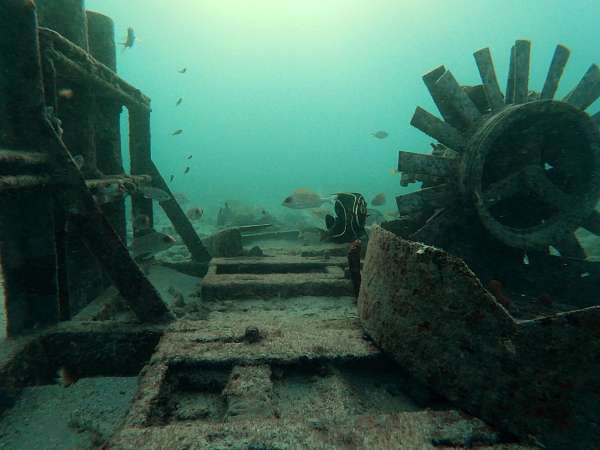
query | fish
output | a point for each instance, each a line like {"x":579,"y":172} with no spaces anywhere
{"x":189,"y":157}
{"x":195,"y":213}
{"x":79,"y":161}
{"x":129,"y":40}
{"x":184,"y":70}
{"x":153,"y":193}
{"x":66,"y":93}
{"x":171,"y":178}
{"x":526,"y":259}
{"x":304,"y":199}
{"x":394,"y":171}
{"x":108,"y":193}
{"x":177,"y":132}
{"x":181,"y":198}
{"x":151,"y":243}
{"x":187,"y":169}
{"x":66,"y":377}
{"x":179,"y":101}
{"x":378,"y":200}
{"x":141,"y":222}
{"x":380,"y":134}
{"x":111,"y":189}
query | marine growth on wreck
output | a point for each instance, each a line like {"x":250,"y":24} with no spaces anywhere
{"x":249,"y":225}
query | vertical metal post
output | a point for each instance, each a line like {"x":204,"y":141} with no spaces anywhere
{"x":140,"y":154}
{"x":27,"y":248}
{"x":101,"y":38}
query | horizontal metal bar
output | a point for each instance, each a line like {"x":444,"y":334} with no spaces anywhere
{"x":420,"y":163}
{"x":12,"y":182}
{"x":73,"y":62}
{"x":433,"y":197}
{"x":98,"y":183}
{"x":22,"y":158}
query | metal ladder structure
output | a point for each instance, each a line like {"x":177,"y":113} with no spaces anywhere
{"x":46,"y":201}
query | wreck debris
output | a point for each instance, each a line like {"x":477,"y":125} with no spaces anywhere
{"x":502,"y":157}
{"x":527,"y":377}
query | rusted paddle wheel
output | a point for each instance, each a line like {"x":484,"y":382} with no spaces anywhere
{"x":528,"y":164}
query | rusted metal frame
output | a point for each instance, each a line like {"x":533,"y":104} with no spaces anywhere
{"x":72,"y":61}
{"x":140,"y":159}
{"x":107,"y":116}
{"x":10,"y":182}
{"x":105,"y":182}
{"x":20,"y":158}
{"x":180,"y":221}
{"x":28,"y":253}
{"x":99,"y":236}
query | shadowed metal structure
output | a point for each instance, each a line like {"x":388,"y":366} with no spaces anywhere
{"x":529,"y":164}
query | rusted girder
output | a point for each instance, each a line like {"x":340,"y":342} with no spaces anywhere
{"x":72,"y":61}
{"x":11,"y":182}
{"x":22,"y":158}
{"x":104,"y":182}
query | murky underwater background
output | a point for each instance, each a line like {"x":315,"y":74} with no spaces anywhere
{"x":283,"y":94}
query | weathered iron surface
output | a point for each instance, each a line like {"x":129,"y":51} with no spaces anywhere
{"x":269,"y":277}
{"x":101,"y":37}
{"x":530,"y":165}
{"x":431,"y":313}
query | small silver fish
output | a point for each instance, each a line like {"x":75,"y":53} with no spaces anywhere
{"x":179,"y":101}
{"x":380,"y":134}
{"x":153,"y":193}
{"x":195,"y":213}
{"x":304,"y":199}
{"x":65,"y":93}
{"x":184,"y":70}
{"x":187,"y":169}
{"x":129,"y":40}
{"x":177,"y":132}
{"x":526,"y":259}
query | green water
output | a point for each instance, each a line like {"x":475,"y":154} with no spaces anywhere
{"x":282,"y":94}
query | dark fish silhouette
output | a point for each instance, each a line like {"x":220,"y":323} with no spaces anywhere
{"x":187,"y":169}
{"x":380,"y":134}
{"x":171,"y":178}
{"x":129,"y":40}
{"x":179,"y":101}
{"x":189,"y":157}
{"x":177,"y":132}
{"x":184,"y":70}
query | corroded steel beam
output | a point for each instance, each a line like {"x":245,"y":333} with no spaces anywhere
{"x":73,"y":62}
